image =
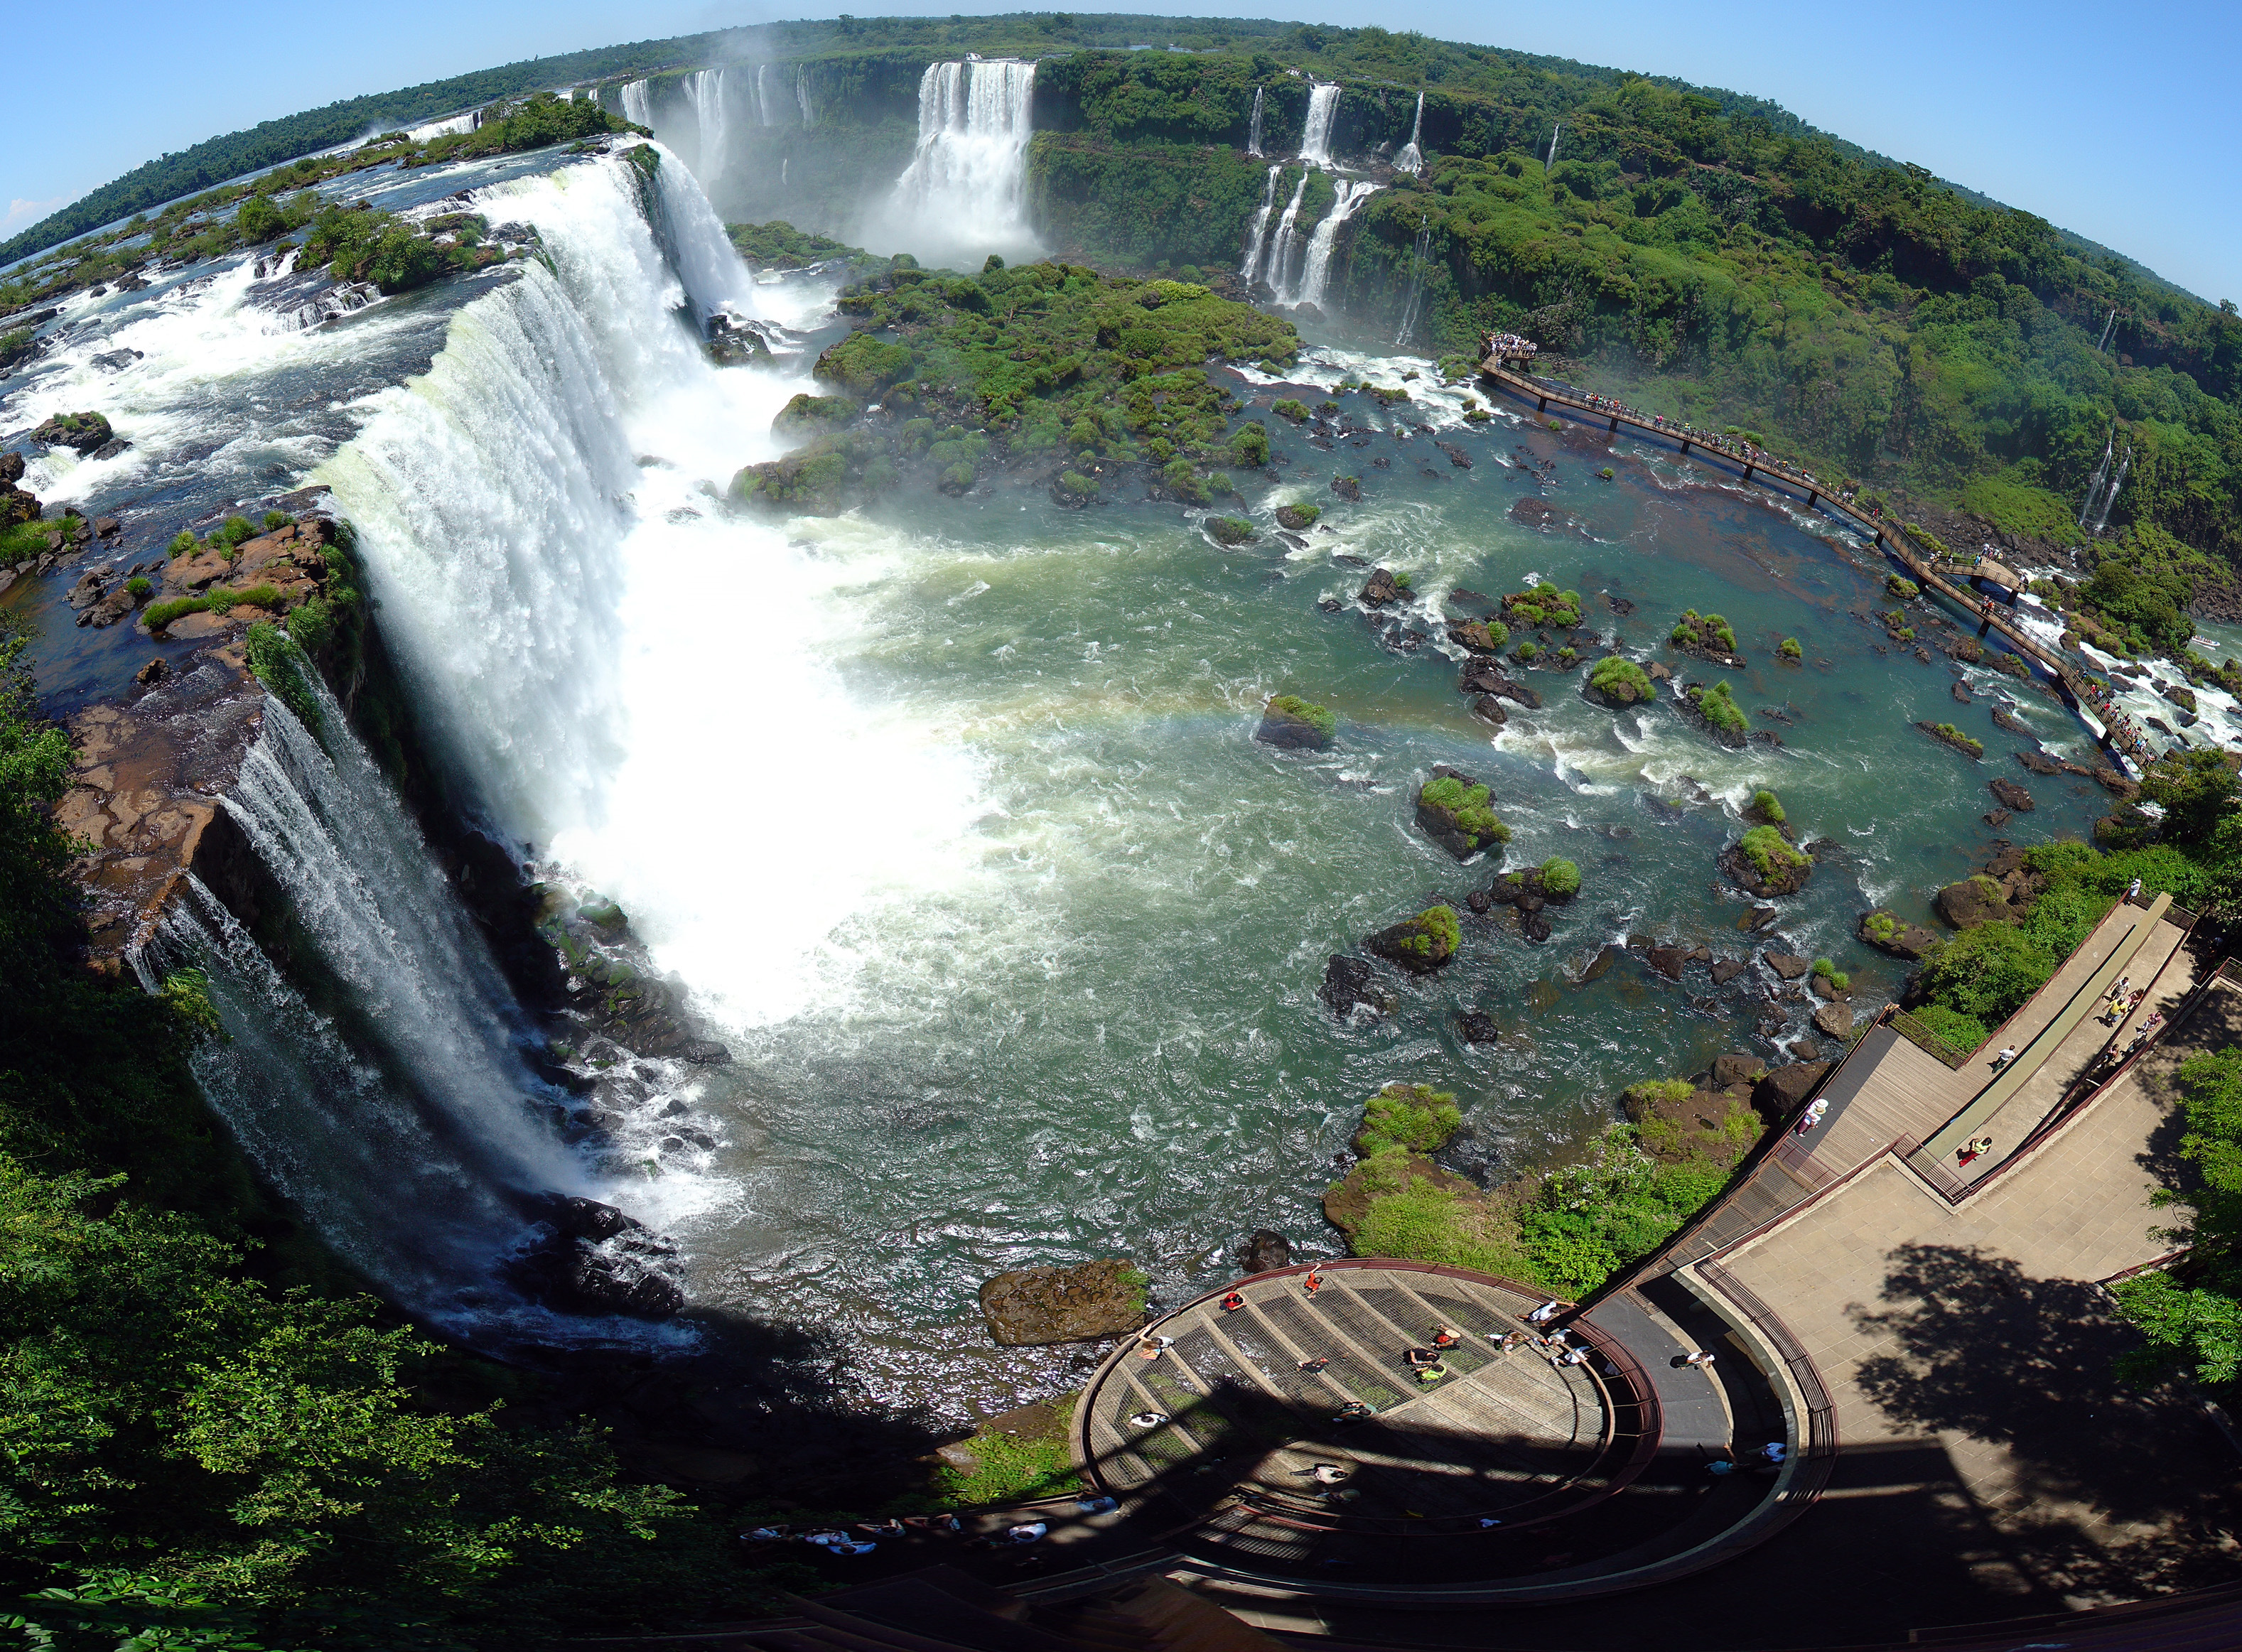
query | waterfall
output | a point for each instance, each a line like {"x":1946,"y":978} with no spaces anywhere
{"x":1413,"y":312}
{"x":1411,"y":159}
{"x":961,"y":196}
{"x":705,"y":87}
{"x":638,"y":104}
{"x":537,"y":516}
{"x":2101,"y":473}
{"x":397,"y":1111}
{"x":1315,"y":138}
{"x":801,"y":95}
{"x":1347,"y":196}
{"x":2108,"y":328}
{"x":1287,"y":239}
{"x":1552,"y":160}
{"x":2117,"y":482}
{"x":1254,"y":127}
{"x":1256,"y":234}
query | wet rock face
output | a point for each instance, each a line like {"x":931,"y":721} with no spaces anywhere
{"x":1265,"y":1251}
{"x":1888,"y":934}
{"x":1972,"y":902}
{"x":1784,"y":1091}
{"x":1352,"y":982}
{"x":1381,"y":589}
{"x":591,"y":1258}
{"x":1035,"y":1306}
{"x":2012,"y":795}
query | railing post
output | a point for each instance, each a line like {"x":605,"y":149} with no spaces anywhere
{"x":1813,"y":497}
{"x":1614,"y":423}
{"x":1748,"y":470}
{"x":1541,"y":405}
{"x":1685,"y":444}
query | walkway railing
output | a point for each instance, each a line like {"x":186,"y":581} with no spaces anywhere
{"x":2077,"y":692}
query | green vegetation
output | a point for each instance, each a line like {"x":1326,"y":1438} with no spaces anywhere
{"x":1559,"y":877}
{"x":1417,"y":1220}
{"x":1416,"y":1118}
{"x":1618,"y":678}
{"x":1231,"y":530}
{"x":1288,"y":705}
{"x":1543,"y":605}
{"x":1718,"y":707}
{"x":1837,"y":979}
{"x":1469,"y":808}
{"x":1791,"y":650}
{"x":2191,"y":1312}
{"x":1965,"y":1032}
{"x":1006,"y":1469}
{"x":1438,"y":933}
{"x":1026,"y":366}
{"x":1707,"y":631}
{"x":1770,"y":852}
{"x":221,"y":600}
{"x":1297,"y":411}
{"x":279,"y":663}
{"x":1901,"y":586}
{"x":140,"y":587}
{"x":1768,"y":806}
{"x":1882,"y":925}
{"x":781,"y":246}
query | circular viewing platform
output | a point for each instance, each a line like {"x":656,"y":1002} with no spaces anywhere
{"x":1245,"y":1437}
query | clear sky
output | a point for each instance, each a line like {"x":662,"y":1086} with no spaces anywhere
{"x":2119,"y":123}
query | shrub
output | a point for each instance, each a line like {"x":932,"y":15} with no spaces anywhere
{"x":183,"y":544}
{"x":1719,"y":708}
{"x":236,"y":531}
{"x":1543,"y":605}
{"x":1770,"y":806}
{"x":1437,"y":930}
{"x":1230,"y":530}
{"x":1184,"y":482}
{"x":1965,"y":1032}
{"x":1077,"y":488}
{"x":1620,"y":678}
{"x":1315,"y":716}
{"x":1422,"y":1223}
{"x":277,"y":662}
{"x":139,"y":586}
{"x":1902,"y":587}
{"x":1768,"y":851}
{"x":1954,"y":736}
{"x":1415,"y":1117}
{"x":1791,"y":650}
{"x":1836,"y":977}
{"x":1561,"y":876}
{"x":1288,"y":408}
{"x":1250,"y":448}
{"x":1469,"y":806}
{"x":1607,"y":473}
{"x":276,"y":519}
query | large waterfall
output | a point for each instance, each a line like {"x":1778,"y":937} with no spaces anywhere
{"x":705,"y":89}
{"x":962,"y":194}
{"x":1315,"y":138}
{"x":1257,"y":234}
{"x":1347,"y":195}
{"x":638,"y":104}
{"x":1411,"y":159}
{"x":1254,"y":127}
{"x":1285,"y":244}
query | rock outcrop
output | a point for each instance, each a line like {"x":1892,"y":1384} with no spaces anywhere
{"x":1265,"y":1251}
{"x":1454,"y":811}
{"x":1888,"y":934}
{"x":1290,"y":722}
{"x":2012,"y":795}
{"x":591,"y":1258}
{"x":1420,"y":944}
{"x":1972,"y":902}
{"x":1035,"y":1306}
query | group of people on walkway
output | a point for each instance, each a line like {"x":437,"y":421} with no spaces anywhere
{"x":863,"y":1537}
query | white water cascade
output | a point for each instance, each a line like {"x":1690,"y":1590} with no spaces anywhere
{"x":1254,"y":127}
{"x":398,"y":1112}
{"x":1412,"y":312}
{"x":1347,"y":195}
{"x":536,"y":519}
{"x":1552,"y":159}
{"x":2117,"y":482}
{"x":705,"y":88}
{"x":1316,"y":135}
{"x":1287,"y":241}
{"x":2101,"y":475}
{"x":1411,"y":159}
{"x":638,"y":104}
{"x":801,"y":95}
{"x":1257,"y":233}
{"x":961,"y":195}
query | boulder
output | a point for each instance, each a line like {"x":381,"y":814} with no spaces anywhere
{"x":2012,"y":795}
{"x":1835,"y":1018}
{"x":1487,"y":709}
{"x":1347,"y":488}
{"x":154,"y":672}
{"x":82,"y":433}
{"x":1727,"y":970}
{"x":1419,"y":944}
{"x":1265,"y":1250}
{"x":1600,"y":965}
{"x":1757,"y":918}
{"x":1459,"y":816}
{"x":1474,"y":637}
{"x":1887,"y":934}
{"x":1971,"y":901}
{"x":591,"y":1258}
{"x":1729,"y":1070}
{"x":1669,"y":961}
{"x":1351,"y":980}
{"x":2008,"y":722}
{"x":1474,"y":1026}
{"x":704,"y":1052}
{"x":2039,"y":762}
{"x":1296,"y":517}
{"x":2180,"y":696}
{"x":1788,"y":965}
{"x":1784,"y":1091}
{"x":1289,"y":723}
{"x":1033,"y":1307}
{"x":1381,"y":590}
{"x":1961,"y":692}
{"x":1787,"y":872}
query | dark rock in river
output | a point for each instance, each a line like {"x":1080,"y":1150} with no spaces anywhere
{"x":1971,"y":901}
{"x":1351,"y":980}
{"x":1466,"y":828}
{"x":1600,"y":966}
{"x":2012,"y":795}
{"x":1487,"y":709}
{"x":1835,"y":1019}
{"x":1669,"y":961}
{"x":1783,"y":876}
{"x":1476,"y":1027}
{"x":1265,"y":1250}
{"x":1347,"y":488}
{"x":1291,"y":724}
{"x":1788,"y":965}
{"x":1032,"y":1307}
{"x":704,"y":1052}
{"x":2039,"y":762}
{"x":1732,"y":1070}
{"x":1381,"y":589}
{"x":1419,"y":944}
{"x":1784,"y":1091}
{"x":1727,"y":970}
{"x":1887,"y":934}
{"x":1962,"y":692}
{"x":596,"y":1260}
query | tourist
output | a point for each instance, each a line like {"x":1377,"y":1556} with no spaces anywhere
{"x":1146,"y":1419}
{"x":1419,"y":1357}
{"x":1314,"y":1282}
{"x":1774,"y":1451}
{"x":1429,"y":1375}
{"x":1313,"y":1365}
{"x":1096,"y":1506}
{"x":1486,"y":1523}
{"x":2133,"y":891}
{"x":1329,"y":1474}
{"x":1231,"y":1303}
{"x":1720,"y":1466}
{"x":1153,"y":1347}
{"x":1574,"y":1356}
{"x":1700,"y":1358}
{"x":1443,"y":1337}
{"x":1972,"y":1150}
{"x":1545,"y":1313}
{"x":1512,"y":1341}
{"x":1027,"y":1534}
{"x":1812,"y":1116}
{"x":2007,"y":1055}
{"x":1352,"y":1411}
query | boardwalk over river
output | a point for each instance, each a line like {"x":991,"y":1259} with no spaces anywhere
{"x":2076,"y":690}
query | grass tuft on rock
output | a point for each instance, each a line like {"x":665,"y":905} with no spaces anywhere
{"x":1559,"y":877}
{"x":1768,"y":850}
{"x":1414,"y":1117}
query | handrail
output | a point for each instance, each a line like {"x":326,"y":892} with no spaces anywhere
{"x":1931,"y":1043}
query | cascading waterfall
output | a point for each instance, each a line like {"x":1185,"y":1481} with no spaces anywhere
{"x":801,"y":95}
{"x":1257,"y":233}
{"x":962,"y":193}
{"x":1254,"y":127}
{"x":1347,"y":195}
{"x":705,"y":87}
{"x":638,"y":104}
{"x":1413,"y":312}
{"x":399,"y":1114}
{"x":2117,"y":483}
{"x":1411,"y":159}
{"x":1315,"y":138}
{"x":1552,"y":159}
{"x":1287,"y":240}
{"x":2101,"y":475}
{"x":2108,"y":328}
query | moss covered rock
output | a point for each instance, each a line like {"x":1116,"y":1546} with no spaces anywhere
{"x":1974,"y":901}
{"x":809,"y":415}
{"x":1454,"y":810}
{"x":1034,"y":1307}
{"x":1714,"y":709}
{"x":1706,"y":636}
{"x":1887,"y":933}
{"x":1415,"y":1117}
{"x":1420,"y":944}
{"x":1544,"y":605}
{"x":1617,"y":682}
{"x":1764,"y":864}
{"x":1291,"y":721}
{"x":1230,"y":530}
{"x":1298,"y":517}
{"x":1946,"y":735}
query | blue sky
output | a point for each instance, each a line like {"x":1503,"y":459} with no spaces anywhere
{"x":2119,"y":124}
